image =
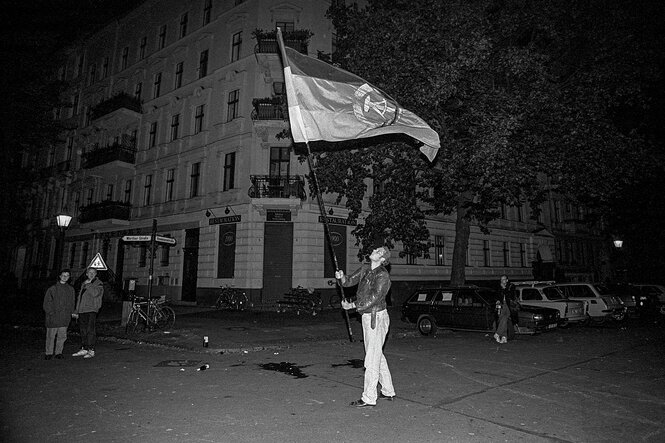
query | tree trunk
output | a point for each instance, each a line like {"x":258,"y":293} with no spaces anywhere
{"x":462,"y":232}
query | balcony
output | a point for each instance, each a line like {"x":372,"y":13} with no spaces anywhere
{"x":105,"y":210}
{"x":266,"y":186}
{"x":266,"y":41}
{"x":269,"y":108}
{"x":119,"y":153}
{"x":56,"y":169}
{"x":120,"y":101}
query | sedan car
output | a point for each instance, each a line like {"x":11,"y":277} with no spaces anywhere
{"x":599,"y":305}
{"x":469,"y":308}
{"x":544,"y":295}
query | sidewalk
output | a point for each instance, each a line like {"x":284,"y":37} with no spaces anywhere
{"x":246,"y":331}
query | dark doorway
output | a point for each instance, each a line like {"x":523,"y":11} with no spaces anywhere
{"x":277,"y":260}
{"x":190,"y":266}
{"x":120,"y":261}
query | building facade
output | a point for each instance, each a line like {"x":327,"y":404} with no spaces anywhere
{"x":173,"y":116}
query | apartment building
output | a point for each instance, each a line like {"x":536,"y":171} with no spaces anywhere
{"x":174,"y":113}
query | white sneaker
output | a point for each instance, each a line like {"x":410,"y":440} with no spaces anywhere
{"x":89,"y":354}
{"x":503,"y":340}
{"x":496,"y":337}
{"x":80,"y":353}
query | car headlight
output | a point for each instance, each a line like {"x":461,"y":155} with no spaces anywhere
{"x":537,"y":317}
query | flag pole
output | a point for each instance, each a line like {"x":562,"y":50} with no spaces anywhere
{"x":297,"y":119}
{"x":326,"y":228}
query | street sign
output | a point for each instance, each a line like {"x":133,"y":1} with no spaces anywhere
{"x":167,"y":240}
{"x":98,"y":263}
{"x":147,"y":238}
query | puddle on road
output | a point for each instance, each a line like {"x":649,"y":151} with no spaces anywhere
{"x":284,"y":367}
{"x":354,"y":363}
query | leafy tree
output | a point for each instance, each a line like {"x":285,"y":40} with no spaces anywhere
{"x":516,"y":89}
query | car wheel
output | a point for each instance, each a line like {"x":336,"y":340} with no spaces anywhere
{"x":598,"y":320}
{"x":426,"y":325}
{"x":564,"y":324}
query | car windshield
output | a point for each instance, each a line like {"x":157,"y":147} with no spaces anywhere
{"x":553,"y":294}
{"x":603,"y":290}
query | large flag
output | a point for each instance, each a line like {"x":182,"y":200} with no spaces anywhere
{"x":331,"y":104}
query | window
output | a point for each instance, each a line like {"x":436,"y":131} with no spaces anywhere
{"x":109,"y":192}
{"x":79,"y":66}
{"x":84,"y":255}
{"x":72,"y":255}
{"x":232,"y":105}
{"x":152,"y":136}
{"x":207,"y":11}
{"x":75,"y":105}
{"x":557,"y":211}
{"x":147,"y":190}
{"x":161,"y":38}
{"x":280,"y":161}
{"x":203,"y":64}
{"x":170,"y":178}
{"x":105,"y":67}
{"x":506,"y":254}
{"x":51,"y":156}
{"x":439,"y":256}
{"x":69,"y":148}
{"x":523,"y":255}
{"x":138,"y":89}
{"x":142,"y":45}
{"x":411,"y":259}
{"x":194,"y":179}
{"x":520,"y":212}
{"x":86,"y":116}
{"x":183,"y":24}
{"x":178,"y":75}
{"x":88,"y":198}
{"x":236,"y":45}
{"x":143,"y":254}
{"x":229,"y":170}
{"x":164,"y":258}
{"x":92,"y":73}
{"x":486,"y":253}
{"x":198,"y":118}
{"x":175,"y":126}
{"x":531,"y":294}
{"x":123,"y":58}
{"x":128,"y":191}
{"x":285,"y":26}
{"x":77,"y":202}
{"x":156,"y":85}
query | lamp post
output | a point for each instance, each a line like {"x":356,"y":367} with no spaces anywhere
{"x":63,"y":221}
{"x":621,"y":271}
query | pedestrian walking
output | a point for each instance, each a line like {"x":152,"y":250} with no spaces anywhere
{"x":58,"y":307}
{"x":373,"y":283}
{"x":506,"y":308}
{"x":87,"y":306}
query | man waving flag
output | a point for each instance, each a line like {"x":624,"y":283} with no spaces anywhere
{"x":331,"y":104}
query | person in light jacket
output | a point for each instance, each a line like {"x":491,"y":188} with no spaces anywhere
{"x":58,"y":306}
{"x":88,"y":305}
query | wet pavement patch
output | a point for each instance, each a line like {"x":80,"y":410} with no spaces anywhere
{"x":354,"y":363}
{"x":284,"y":367}
{"x":177,"y":363}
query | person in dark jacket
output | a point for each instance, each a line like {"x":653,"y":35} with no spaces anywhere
{"x":373,"y":283}
{"x":58,"y":308}
{"x":506,"y":311}
{"x":88,"y":305}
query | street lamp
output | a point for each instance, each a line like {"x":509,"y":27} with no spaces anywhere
{"x":63,"y":221}
{"x":618,"y":243}
{"x":621,"y":265}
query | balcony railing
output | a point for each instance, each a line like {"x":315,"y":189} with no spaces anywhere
{"x":266,"y":41}
{"x":114,"y":103}
{"x":267,"y":186}
{"x":271,"y":108}
{"x":104,"y":210}
{"x":124,"y":151}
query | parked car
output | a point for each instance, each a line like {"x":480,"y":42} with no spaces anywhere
{"x":629,"y":295}
{"x":543,"y":294}
{"x":653,"y":296}
{"x":469,"y":308}
{"x":599,"y":305}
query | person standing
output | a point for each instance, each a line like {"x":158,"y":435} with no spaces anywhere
{"x":58,"y":307}
{"x":506,"y":311}
{"x":87,"y":306}
{"x":373,"y":283}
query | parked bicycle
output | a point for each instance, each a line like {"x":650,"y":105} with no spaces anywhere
{"x":231,"y":298}
{"x":300,"y":300}
{"x":158,"y":316}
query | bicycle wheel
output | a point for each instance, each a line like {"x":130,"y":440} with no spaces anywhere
{"x":164,"y":317}
{"x":335,"y":301}
{"x":133,"y":323}
{"x":240,"y":301}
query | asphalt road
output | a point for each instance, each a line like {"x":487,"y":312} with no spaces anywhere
{"x":572,"y":385}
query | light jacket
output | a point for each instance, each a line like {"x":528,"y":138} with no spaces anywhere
{"x":90,"y":297}
{"x":59,"y":305}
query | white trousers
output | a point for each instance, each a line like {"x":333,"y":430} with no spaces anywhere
{"x":376,"y":366}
